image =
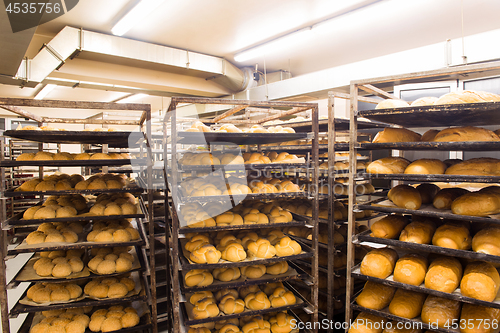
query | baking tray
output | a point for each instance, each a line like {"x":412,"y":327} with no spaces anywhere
{"x":118,"y":139}
{"x":18,"y":220}
{"x":456,"y":295}
{"x":301,"y":303}
{"x":433,"y":178}
{"x":283,"y":167}
{"x":220,"y":138}
{"x":458,"y":146}
{"x":417,"y":321}
{"x":294,"y":272}
{"x":73,"y":163}
{"x":365,"y":237}
{"x":241,"y":197}
{"x":185,"y":230}
{"x":131,"y":189}
{"x":427,"y":210}
{"x":20,"y":308}
{"x":340,"y":125}
{"x":322,"y":269}
{"x":187,"y":265}
{"x":467,"y":114}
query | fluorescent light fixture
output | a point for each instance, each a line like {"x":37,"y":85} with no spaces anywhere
{"x":135,"y":16}
{"x":132,"y":98}
{"x":45,"y":91}
{"x":277,"y":44}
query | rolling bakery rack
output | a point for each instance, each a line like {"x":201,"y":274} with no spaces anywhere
{"x":12,"y":243}
{"x":474,"y":114}
{"x":233,"y":142}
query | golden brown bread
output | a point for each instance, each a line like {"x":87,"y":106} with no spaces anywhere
{"x":389,"y":227}
{"x":406,"y":303}
{"x":468,"y":133}
{"x":487,"y":241}
{"x":388,"y":165}
{"x":427,"y":192}
{"x":452,"y":236}
{"x":445,"y":197}
{"x":426,"y":166}
{"x":467,"y":96}
{"x":396,"y":135}
{"x":375,"y":295}
{"x":483,"y":166}
{"x":480,"y":281}
{"x":481,"y":319}
{"x":419,"y":232}
{"x":379,"y":263}
{"x":423,"y":101}
{"x":367,"y":323}
{"x":439,"y":311}
{"x":429,"y":135}
{"x":405,"y":196}
{"x":391,"y":104}
{"x":481,"y":203}
{"x":411,"y":269}
{"x":444,"y":274}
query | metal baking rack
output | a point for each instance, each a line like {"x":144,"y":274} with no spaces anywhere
{"x":434,"y":116}
{"x":176,"y":134}
{"x":106,"y":140}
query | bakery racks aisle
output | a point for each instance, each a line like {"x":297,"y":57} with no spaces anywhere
{"x":88,"y":221}
{"x":232,"y":262}
{"x":418,"y":117}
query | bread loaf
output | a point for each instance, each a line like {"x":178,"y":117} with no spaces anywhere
{"x":405,"y":196}
{"x":468,"y":133}
{"x":444,"y":274}
{"x":487,"y":241}
{"x":481,"y":281}
{"x":423,"y":101}
{"x":429,"y":135}
{"x":483,"y":166}
{"x":396,"y":135}
{"x":379,"y":263}
{"x":427,"y":192}
{"x":375,"y":295}
{"x":419,"y":232}
{"x":440,"y":311}
{"x":452,"y":236}
{"x":467,"y":96}
{"x":481,"y":203}
{"x":479,"y":319}
{"x":388,"y":165}
{"x":367,"y":323}
{"x":389,"y":227}
{"x":391,"y":104}
{"x":426,"y":166}
{"x":444,"y":198}
{"x":406,"y":303}
{"x":411,"y":269}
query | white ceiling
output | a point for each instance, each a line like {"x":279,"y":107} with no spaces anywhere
{"x":226,"y":27}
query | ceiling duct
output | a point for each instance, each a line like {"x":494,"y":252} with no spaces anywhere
{"x":70,"y":42}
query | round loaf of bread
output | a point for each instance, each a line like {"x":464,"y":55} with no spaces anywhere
{"x":410,"y":269}
{"x":483,"y":166}
{"x":253,"y":272}
{"x":426,"y":166}
{"x":375,"y":296}
{"x":424,"y":101}
{"x":445,"y":197}
{"x":396,"y":135}
{"x":379,"y":263}
{"x":388,"y":165}
{"x":480,"y":318}
{"x":487,"y":241}
{"x":480,"y":281}
{"x":452,"y":236}
{"x":198,"y":277}
{"x":468,"y":133}
{"x":418,"y":232}
{"x":391,"y":104}
{"x":367,"y":323}
{"x":389,"y":227}
{"x":277,"y":268}
{"x":440,"y":311}
{"x":406,"y":303}
{"x":227,"y":274}
{"x":405,"y":196}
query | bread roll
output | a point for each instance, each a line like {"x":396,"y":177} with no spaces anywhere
{"x":481,"y":281}
{"x":391,"y":104}
{"x":367,"y":323}
{"x":429,"y":135}
{"x":478,"y":319}
{"x":440,"y":311}
{"x":379,"y":263}
{"x":423,"y":101}
{"x":468,"y":133}
{"x":411,"y":269}
{"x":375,"y":295}
{"x":396,"y":135}
{"x":444,"y":198}
{"x":406,"y":303}
{"x":418,"y":232}
{"x":481,"y":203}
{"x":452,"y":236}
{"x":389,"y":227}
{"x":388,"y":165}
{"x":427,"y":192}
{"x":487,"y":241}
{"x":426,"y":166}
{"x":483,"y":166}
{"x":405,"y":196}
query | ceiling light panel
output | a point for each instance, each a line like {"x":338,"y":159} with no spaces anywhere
{"x":135,"y":16}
